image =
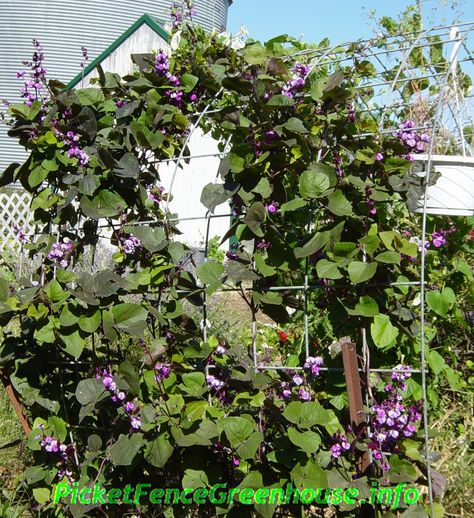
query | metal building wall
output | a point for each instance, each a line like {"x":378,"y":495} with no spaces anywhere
{"x":63,"y":26}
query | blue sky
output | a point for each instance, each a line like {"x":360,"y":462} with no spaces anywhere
{"x":339,"y":20}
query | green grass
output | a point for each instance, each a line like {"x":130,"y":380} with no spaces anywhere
{"x":10,"y":432}
{"x":455,"y":446}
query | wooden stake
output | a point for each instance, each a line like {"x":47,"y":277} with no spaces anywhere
{"x":15,"y":402}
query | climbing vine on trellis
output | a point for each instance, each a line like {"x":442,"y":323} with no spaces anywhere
{"x":121,"y":383}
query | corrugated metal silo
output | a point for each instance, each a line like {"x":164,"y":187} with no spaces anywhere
{"x":63,"y":26}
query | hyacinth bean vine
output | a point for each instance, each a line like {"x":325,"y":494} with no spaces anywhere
{"x":312,"y":198}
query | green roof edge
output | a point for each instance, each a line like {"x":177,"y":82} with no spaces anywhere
{"x":144,"y":19}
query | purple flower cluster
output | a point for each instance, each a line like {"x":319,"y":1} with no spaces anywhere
{"x":175,"y":97}
{"x":313,"y":364}
{"x":54,"y":447}
{"x":131,"y":244}
{"x":162,"y":68}
{"x":178,"y":15}
{"x":258,"y":143}
{"x":340,"y":446}
{"x":51,"y":445}
{"x":391,"y":420}
{"x":232,"y":254}
{"x":296,"y":83}
{"x":411,"y":139}
{"x":32,"y":87}
{"x":85,"y":56}
{"x":214,"y":383}
{"x":337,"y":160}
{"x":71,"y":139}
{"x":369,"y":202}
{"x":19,"y":231}
{"x":156,"y":194}
{"x":263,"y":245}
{"x":438,"y":238}
{"x":298,"y":381}
{"x":119,"y":396}
{"x":136,"y":422}
{"x":351,"y":113}
{"x":162,"y":371}
{"x":162,"y":64}
{"x":61,"y":251}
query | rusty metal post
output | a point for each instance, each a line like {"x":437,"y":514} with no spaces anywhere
{"x":15,"y":403}
{"x":354,"y":391}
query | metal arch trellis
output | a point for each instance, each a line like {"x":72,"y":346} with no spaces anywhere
{"x":330,"y":56}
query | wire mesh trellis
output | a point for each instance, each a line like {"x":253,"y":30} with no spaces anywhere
{"x":391,"y":94}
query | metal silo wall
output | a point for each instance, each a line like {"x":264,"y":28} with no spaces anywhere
{"x":63,"y":26}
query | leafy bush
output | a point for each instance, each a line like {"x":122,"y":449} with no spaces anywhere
{"x":120,"y":381}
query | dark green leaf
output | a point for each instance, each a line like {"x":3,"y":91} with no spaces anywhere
{"x":361,"y":272}
{"x":339,"y":205}
{"x":255,"y":217}
{"x":313,"y":184}
{"x":124,"y":450}
{"x":383,"y":333}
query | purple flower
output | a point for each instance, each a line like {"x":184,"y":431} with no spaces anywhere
{"x":336,"y":451}
{"x":109,"y":383}
{"x":214,"y":382}
{"x":175,"y":97}
{"x":220,"y":349}
{"x":120,"y":103}
{"x":19,"y":232}
{"x":379,"y":156}
{"x":298,"y":380}
{"x":136,"y":422}
{"x":313,"y":364}
{"x":391,"y":420}
{"x":438,"y":239}
{"x":297,"y":82}
{"x":351,"y":115}
{"x":60,"y":252}
{"x":400,"y":376}
{"x":340,"y":445}
{"x":20,"y":74}
{"x":272,"y":207}
{"x":162,"y":63}
{"x":162,"y":371}
{"x":270,"y":137}
{"x":130,"y":244}
{"x":193,"y":98}
{"x":304,"y":394}
{"x":263,"y":245}
{"x":129,"y":407}
{"x":174,"y":80}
